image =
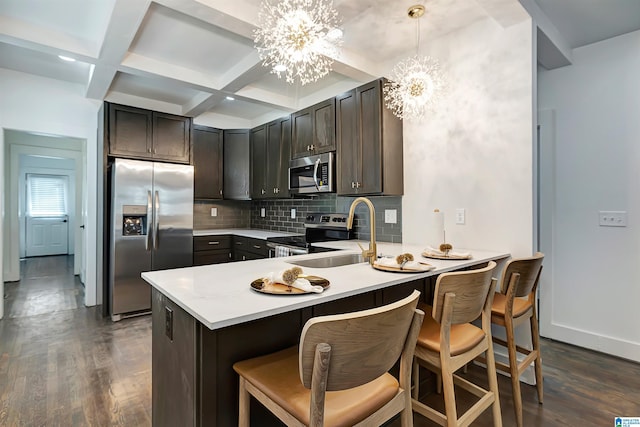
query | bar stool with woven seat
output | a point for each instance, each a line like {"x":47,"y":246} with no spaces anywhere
{"x":510,"y":309}
{"x":448,"y":341}
{"x":338,"y":376}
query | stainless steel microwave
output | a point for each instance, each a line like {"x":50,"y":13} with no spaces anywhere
{"x":312,"y":174}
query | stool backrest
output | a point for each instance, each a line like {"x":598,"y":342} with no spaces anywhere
{"x":529,"y":270}
{"x":470,"y":288}
{"x":364,"y":344}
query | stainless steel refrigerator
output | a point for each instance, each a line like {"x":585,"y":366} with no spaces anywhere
{"x":151,"y":229}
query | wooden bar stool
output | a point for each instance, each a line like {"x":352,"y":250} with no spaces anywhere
{"x":510,"y":309}
{"x":448,"y":341}
{"x":339,"y":377}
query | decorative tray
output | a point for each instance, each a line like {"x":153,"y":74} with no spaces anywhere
{"x":451,"y":257}
{"x":426,"y":267}
{"x":281,"y":289}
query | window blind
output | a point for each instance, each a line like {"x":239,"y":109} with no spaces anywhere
{"x":46,"y":195}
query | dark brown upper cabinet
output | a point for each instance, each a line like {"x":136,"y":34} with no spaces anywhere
{"x":313,"y":129}
{"x":270,"y":145}
{"x":143,"y":134}
{"x":258,"y":138}
{"x":237,"y":164}
{"x":207,"y":163}
{"x":369,"y":144}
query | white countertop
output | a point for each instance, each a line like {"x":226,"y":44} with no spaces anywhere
{"x":245,"y":232}
{"x":220,"y":295}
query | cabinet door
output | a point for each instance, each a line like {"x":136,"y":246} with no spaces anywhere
{"x":258,"y":162}
{"x":348,"y":144}
{"x":324,"y":126}
{"x":368,"y":104}
{"x":207,"y":163}
{"x":171,"y":137}
{"x":237,"y":164}
{"x":129,"y":131}
{"x":301,"y":133}
{"x":212,"y":257}
{"x":278,"y":154}
{"x":284,"y":157}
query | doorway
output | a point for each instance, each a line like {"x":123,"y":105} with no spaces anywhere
{"x":44,"y":179}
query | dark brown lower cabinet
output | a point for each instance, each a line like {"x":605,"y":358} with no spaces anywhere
{"x":193,"y":380}
{"x":211,"y":250}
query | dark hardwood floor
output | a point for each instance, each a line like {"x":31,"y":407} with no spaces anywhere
{"x":63,"y":364}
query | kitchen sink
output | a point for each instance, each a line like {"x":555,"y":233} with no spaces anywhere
{"x":330,"y":261}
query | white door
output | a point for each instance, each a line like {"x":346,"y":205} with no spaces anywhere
{"x":47,"y":236}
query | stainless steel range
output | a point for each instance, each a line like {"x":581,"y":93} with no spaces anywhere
{"x":319,"y":227}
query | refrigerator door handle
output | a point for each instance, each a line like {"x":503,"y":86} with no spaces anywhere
{"x":147,"y":241}
{"x":156,"y":227}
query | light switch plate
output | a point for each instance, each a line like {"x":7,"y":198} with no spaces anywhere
{"x":612,"y":218}
{"x":263,"y":212}
{"x":214,"y":211}
{"x":293,"y":213}
{"x":460,"y":216}
{"x":390,"y":216}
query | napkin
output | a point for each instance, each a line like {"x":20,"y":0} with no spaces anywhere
{"x":452,"y":254}
{"x":299,"y":283}
{"x":391,"y":262}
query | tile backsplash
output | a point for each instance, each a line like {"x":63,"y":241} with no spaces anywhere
{"x":246,"y":214}
{"x":231,"y":214}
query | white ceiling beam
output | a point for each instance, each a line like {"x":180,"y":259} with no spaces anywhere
{"x":234,"y":16}
{"x":126,"y":18}
{"x":141,"y":102}
{"x":23,"y":34}
{"x":201,"y":103}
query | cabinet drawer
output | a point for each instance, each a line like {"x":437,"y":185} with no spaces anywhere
{"x":250,"y":245}
{"x":212,"y":257}
{"x":205,"y":243}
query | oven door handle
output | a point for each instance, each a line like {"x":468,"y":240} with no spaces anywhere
{"x":315,"y":174}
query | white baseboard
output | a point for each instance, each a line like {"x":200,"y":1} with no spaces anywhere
{"x":614,"y":346}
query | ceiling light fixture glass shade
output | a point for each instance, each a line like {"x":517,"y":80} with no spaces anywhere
{"x":415,"y":84}
{"x":298,"y":38}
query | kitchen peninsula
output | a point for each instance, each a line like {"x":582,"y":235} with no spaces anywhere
{"x":206,"y":318}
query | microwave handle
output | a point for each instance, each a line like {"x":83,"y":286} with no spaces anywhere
{"x":315,"y":174}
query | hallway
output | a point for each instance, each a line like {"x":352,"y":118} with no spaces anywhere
{"x":63,"y":364}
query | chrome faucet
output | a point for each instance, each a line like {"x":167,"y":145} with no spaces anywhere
{"x":370,"y":253}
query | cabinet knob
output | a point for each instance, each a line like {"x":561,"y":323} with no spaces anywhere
{"x":353,"y":184}
{"x":221,"y":192}
{"x":262,"y":191}
{"x":148,"y":150}
{"x":358,"y":185}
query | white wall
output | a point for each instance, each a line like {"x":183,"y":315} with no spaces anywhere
{"x":592,"y":298}
{"x":32,"y":103}
{"x":475,"y":152}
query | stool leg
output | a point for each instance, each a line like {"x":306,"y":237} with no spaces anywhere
{"x":513,"y":369}
{"x":243,"y":403}
{"x":492,"y":376}
{"x":416,"y":380}
{"x":535,"y":339}
{"x":449,"y":395}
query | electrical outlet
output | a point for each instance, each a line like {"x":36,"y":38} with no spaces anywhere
{"x":612,"y":218}
{"x":214,"y":211}
{"x":293,"y":213}
{"x":263,"y":212}
{"x":390,"y":216}
{"x":460,"y":217}
{"x":168,"y":322}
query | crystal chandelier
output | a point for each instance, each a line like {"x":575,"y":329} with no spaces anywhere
{"x":299,"y":38}
{"x":415,"y":84}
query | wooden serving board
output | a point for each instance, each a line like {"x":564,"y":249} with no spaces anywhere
{"x":260,"y":285}
{"x":451,"y":257}
{"x":427,"y":267}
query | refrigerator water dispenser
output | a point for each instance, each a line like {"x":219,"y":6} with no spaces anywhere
{"x":134,"y":220}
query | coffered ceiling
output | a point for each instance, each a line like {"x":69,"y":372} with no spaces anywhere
{"x":186,"y":56}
